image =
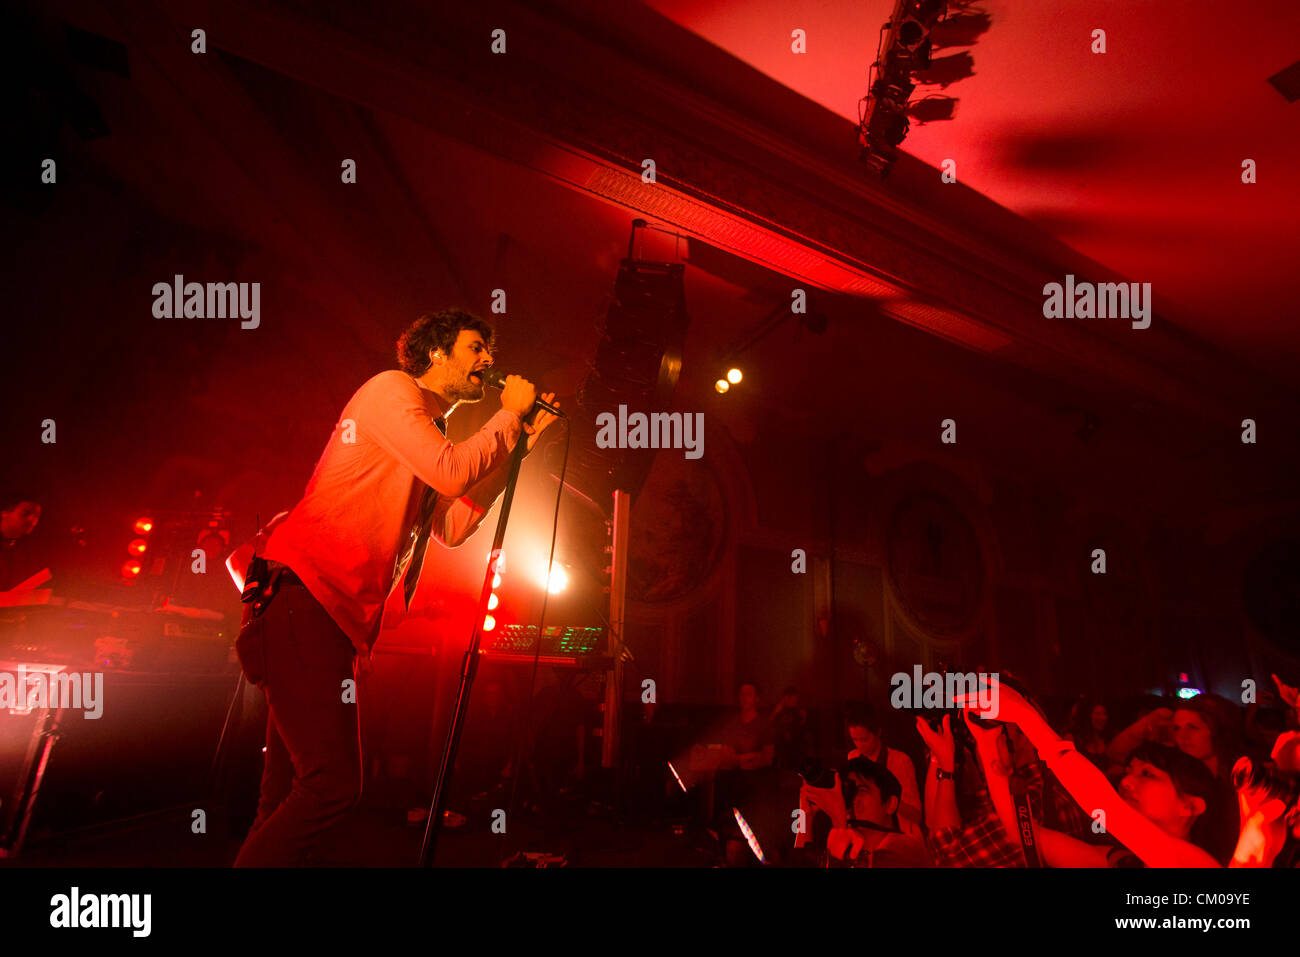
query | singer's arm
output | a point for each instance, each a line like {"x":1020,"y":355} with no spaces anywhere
{"x":392,"y":414}
{"x":456,"y":519}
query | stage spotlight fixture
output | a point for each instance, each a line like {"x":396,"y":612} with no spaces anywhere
{"x":493,"y":601}
{"x":722,"y":385}
{"x":143,"y":525}
{"x":138,"y":547}
{"x":489,"y":623}
{"x":131,"y":569}
{"x":734,"y":376}
{"x":882,"y":122}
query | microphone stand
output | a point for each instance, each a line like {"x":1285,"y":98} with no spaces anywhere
{"x":469,"y":667}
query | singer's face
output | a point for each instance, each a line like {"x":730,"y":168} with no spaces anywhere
{"x":469,"y":357}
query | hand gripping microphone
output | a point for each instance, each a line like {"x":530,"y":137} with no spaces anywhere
{"x":497,"y":380}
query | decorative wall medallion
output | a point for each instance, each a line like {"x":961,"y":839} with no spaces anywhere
{"x":935,"y":564}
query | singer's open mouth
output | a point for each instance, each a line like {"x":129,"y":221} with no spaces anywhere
{"x":475,"y":377}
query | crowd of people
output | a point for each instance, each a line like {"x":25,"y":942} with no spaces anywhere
{"x":1189,"y":782}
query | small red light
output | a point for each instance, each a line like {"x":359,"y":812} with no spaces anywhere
{"x":138,"y":546}
{"x":143,"y":526}
{"x":132,"y":568}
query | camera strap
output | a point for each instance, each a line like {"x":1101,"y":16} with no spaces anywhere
{"x":1024,"y":820}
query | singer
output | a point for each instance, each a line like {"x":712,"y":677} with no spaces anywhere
{"x":387,"y":481}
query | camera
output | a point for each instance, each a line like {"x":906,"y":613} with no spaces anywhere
{"x":816,"y":775}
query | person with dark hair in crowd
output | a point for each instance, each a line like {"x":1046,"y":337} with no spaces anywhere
{"x":867,"y":734}
{"x":1089,"y":729}
{"x":387,"y":481}
{"x":748,"y":750}
{"x":1153,"y":816}
{"x":863,"y":808}
{"x":747,"y":739}
{"x":1205,"y":728}
{"x":790,"y":728}
{"x":21,"y":571}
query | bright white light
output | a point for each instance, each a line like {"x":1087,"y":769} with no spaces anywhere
{"x":559,"y":579}
{"x":734,"y":376}
{"x":722,"y":385}
{"x":493,"y":601}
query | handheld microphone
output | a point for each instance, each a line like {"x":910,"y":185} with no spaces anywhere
{"x":497,"y":380}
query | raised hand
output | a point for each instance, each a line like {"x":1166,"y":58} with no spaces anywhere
{"x":1159,"y":723}
{"x":1289,"y":694}
{"x":1263,"y":827}
{"x":1005,"y":704}
{"x":518,"y":395}
{"x":829,"y":800}
{"x":940,"y":742}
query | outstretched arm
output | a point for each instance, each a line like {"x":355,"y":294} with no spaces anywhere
{"x":1142,"y":730}
{"x":1089,"y":787}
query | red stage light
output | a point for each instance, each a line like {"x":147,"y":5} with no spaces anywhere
{"x":132,"y":568}
{"x":143,"y":525}
{"x":138,"y":546}
{"x":489,"y":623}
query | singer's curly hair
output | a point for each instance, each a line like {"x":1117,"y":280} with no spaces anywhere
{"x":437,"y":330}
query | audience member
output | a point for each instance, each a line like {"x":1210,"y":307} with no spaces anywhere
{"x":867,"y":734}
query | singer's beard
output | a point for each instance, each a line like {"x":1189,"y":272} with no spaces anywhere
{"x":468,"y":390}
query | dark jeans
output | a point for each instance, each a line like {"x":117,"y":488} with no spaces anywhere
{"x":313,"y":765}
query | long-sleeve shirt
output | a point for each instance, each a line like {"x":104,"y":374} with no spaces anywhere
{"x":344,"y":538}
{"x":981,"y":841}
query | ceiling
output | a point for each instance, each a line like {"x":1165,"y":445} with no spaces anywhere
{"x":1132,"y":157}
{"x":223,"y":167}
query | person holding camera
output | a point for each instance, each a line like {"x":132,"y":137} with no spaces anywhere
{"x":1160,"y":799}
{"x":867,"y":734}
{"x":863,"y":809}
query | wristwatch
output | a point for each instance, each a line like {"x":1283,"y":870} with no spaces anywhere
{"x":943,"y":775}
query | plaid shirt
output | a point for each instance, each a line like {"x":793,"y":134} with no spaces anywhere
{"x":981,"y":841}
